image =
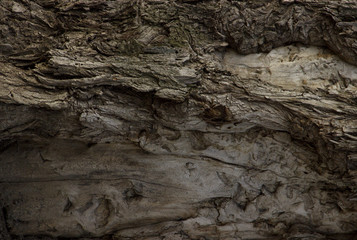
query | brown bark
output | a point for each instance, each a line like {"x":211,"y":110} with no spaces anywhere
{"x":187,"y":119}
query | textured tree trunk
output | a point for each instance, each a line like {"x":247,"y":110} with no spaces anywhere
{"x":176,"y":120}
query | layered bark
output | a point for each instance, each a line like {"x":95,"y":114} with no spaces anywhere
{"x":178,"y":119}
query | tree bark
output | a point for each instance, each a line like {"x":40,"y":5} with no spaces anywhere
{"x":190,"y":119}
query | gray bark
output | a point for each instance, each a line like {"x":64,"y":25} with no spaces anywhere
{"x":189,"y":119}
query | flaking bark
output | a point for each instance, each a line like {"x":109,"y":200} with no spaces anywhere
{"x":188,"y":119}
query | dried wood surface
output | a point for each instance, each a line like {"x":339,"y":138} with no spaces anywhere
{"x":177,"y":120}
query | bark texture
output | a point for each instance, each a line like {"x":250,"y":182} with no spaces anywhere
{"x":177,"y":120}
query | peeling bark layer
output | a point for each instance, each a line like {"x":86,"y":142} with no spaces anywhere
{"x":178,"y":119}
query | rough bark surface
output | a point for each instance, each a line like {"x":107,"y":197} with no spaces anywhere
{"x":178,"y":120}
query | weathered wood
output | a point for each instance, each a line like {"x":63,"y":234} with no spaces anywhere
{"x":191,"y":119}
